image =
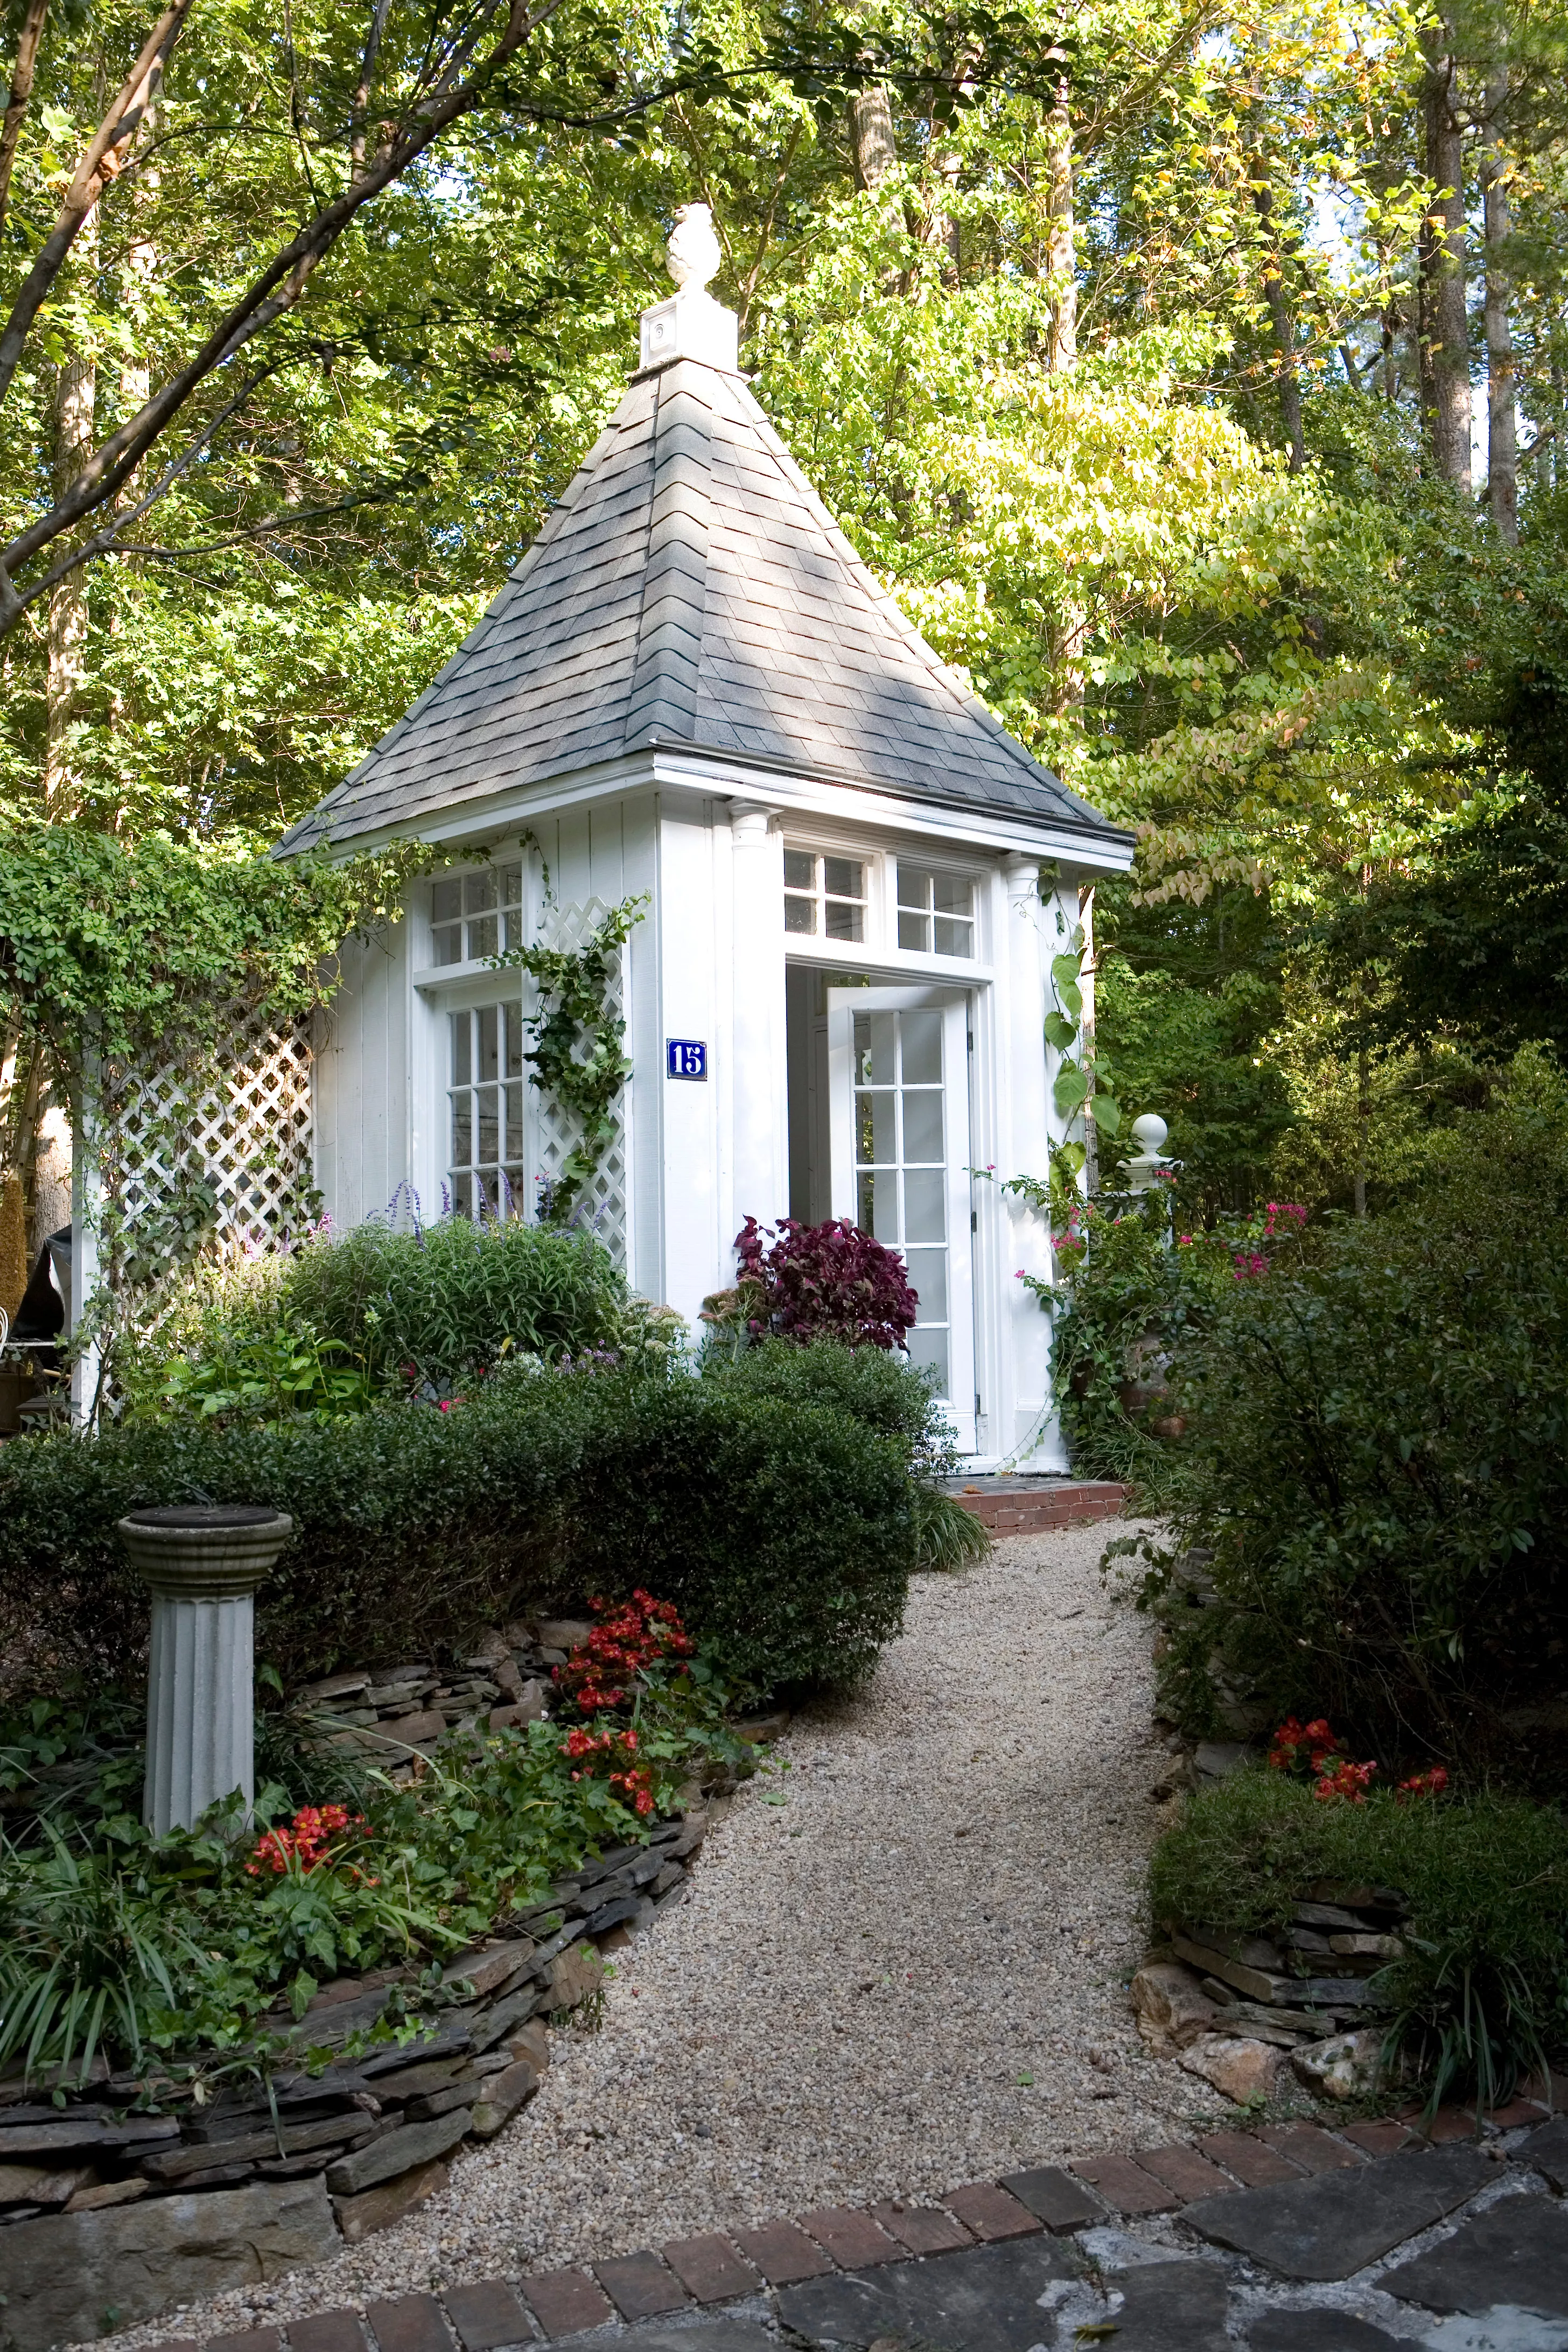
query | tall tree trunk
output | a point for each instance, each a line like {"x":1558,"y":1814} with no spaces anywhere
{"x":1447,"y":318}
{"x":871,"y":139}
{"x":1061,"y":243}
{"x":22,"y":71}
{"x":1502,"y":443}
{"x":74,"y":405}
{"x":1282,"y":324}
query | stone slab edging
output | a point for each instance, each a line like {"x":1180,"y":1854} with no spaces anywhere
{"x":693,"y":2275}
{"x":1039,"y":1509}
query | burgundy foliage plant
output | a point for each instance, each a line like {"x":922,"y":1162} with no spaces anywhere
{"x":822,"y":1281}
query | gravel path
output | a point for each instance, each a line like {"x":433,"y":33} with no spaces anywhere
{"x":901,"y":1965}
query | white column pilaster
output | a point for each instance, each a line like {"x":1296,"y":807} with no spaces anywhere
{"x":759,"y":1077}
{"x":1035,"y":1435}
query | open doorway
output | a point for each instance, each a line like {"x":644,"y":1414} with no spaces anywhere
{"x":878,"y":1132}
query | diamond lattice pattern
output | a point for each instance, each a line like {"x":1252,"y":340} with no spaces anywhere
{"x":240,"y":1120}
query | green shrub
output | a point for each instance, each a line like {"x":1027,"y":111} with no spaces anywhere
{"x":783,"y":1530}
{"x":379,"y":1310}
{"x":1483,"y":1991}
{"x":885,"y":1392}
{"x":1375,"y":1460}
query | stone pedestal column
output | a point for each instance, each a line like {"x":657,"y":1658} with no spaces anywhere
{"x":203,"y":1565}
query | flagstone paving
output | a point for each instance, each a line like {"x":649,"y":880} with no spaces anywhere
{"x":1462,"y":2246}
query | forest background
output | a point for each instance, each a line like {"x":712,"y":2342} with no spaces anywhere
{"x":1195,"y":375}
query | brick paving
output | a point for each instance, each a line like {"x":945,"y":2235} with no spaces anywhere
{"x":976,"y":2222}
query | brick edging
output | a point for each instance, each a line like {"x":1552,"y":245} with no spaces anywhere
{"x":726,"y":2266}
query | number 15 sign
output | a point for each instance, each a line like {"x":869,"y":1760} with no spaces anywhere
{"x":688,"y":1058}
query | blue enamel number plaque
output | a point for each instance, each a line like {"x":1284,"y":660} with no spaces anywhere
{"x":688,"y":1058}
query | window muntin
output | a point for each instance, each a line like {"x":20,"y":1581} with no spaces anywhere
{"x":484,"y":1105}
{"x":900,"y":1164}
{"x":825,"y":898}
{"x":936,"y":911}
{"x":476,"y":915}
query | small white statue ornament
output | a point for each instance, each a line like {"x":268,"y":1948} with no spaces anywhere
{"x":692,"y":254}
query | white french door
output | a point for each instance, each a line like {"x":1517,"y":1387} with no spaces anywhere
{"x":899,"y":1116}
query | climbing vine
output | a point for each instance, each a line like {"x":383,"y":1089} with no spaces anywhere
{"x":577,"y":1056}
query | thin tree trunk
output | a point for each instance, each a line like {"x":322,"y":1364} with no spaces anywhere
{"x":76,"y":398}
{"x":1447,"y":318}
{"x":1280,"y":318}
{"x":1061,"y":242}
{"x":16,"y":105}
{"x":1502,"y":443}
{"x":872,"y":143}
{"x":1362,"y":1120}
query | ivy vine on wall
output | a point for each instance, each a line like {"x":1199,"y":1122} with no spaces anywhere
{"x":578,"y":1058}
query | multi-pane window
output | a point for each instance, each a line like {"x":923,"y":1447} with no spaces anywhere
{"x":936,"y":911}
{"x":485,"y":1163}
{"x":900,"y":1162}
{"x":825,"y":896}
{"x":476,"y":915}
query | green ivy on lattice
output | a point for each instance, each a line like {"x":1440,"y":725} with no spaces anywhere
{"x":578,"y":1058}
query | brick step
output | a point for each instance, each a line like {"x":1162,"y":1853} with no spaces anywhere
{"x":1032,"y":1508}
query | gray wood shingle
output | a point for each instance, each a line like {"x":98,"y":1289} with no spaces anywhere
{"x":690,"y":590}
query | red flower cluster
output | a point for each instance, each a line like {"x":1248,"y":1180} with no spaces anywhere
{"x":633,"y":1780}
{"x":1347,"y":1780}
{"x":1312,"y":1748}
{"x":1422,"y":1784}
{"x":1298,"y":1747}
{"x":307,"y":1839}
{"x":637,"y":1632}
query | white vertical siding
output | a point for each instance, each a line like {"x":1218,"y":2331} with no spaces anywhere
{"x":361,"y":1079}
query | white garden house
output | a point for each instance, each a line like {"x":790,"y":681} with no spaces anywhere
{"x":692,"y":688}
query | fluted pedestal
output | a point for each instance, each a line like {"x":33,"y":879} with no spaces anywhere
{"x":204,"y":1566}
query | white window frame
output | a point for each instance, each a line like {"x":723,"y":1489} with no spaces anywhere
{"x":879,"y":951}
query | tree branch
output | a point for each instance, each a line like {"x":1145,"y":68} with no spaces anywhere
{"x":28,"y":41}
{"x":97,"y":166}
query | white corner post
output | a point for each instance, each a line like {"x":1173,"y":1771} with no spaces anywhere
{"x":1025,"y":1140}
{"x":758,"y":1076}
{"x":204,"y":1566}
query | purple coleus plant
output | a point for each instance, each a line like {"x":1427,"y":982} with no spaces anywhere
{"x":822,"y":1281}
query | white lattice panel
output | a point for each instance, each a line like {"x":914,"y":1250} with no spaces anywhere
{"x":238,"y":1122}
{"x":602,"y":1207}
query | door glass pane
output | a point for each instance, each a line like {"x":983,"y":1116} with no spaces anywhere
{"x":876,"y":1043}
{"x":922,"y":1126}
{"x":929,"y":1348}
{"x":512,"y":1016}
{"x":922,"y":1049}
{"x":876,"y":1141}
{"x":925,"y":1205}
{"x":513,"y":1144}
{"x":489,"y":1048}
{"x":461,"y":1069}
{"x":927,"y":1279}
{"x":462,"y":1129}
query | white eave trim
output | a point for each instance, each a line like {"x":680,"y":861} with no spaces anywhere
{"x":502,"y":813}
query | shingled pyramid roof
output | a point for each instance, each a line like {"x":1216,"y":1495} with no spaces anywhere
{"x":691,"y":592}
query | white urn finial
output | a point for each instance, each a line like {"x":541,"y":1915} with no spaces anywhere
{"x":692,"y":255}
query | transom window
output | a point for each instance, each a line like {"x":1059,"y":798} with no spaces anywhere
{"x":825,"y":896}
{"x":485,"y":1164}
{"x":476,"y":915}
{"x":936,"y":911}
